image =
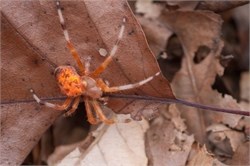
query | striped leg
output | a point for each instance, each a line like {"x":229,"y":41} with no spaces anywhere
{"x":105,"y":88}
{"x":106,"y":62}
{"x":69,"y":44}
{"x":74,"y":106}
{"x":91,"y":118}
{"x":62,"y":107}
{"x":87,"y":65}
{"x":100,"y":114}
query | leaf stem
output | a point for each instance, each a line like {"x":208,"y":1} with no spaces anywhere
{"x":179,"y":101}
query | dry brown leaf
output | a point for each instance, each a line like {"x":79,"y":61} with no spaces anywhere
{"x":176,"y":118}
{"x":220,"y":6}
{"x":245,"y":99}
{"x":199,"y":33}
{"x":89,"y":35}
{"x":181,"y":5}
{"x":33,"y":44}
{"x":20,"y":133}
{"x":202,"y":157}
{"x":119,"y":143}
{"x":148,"y":8}
{"x":157,"y":35}
{"x":153,"y":10}
{"x":241,"y":156}
{"x":224,"y":139}
{"x":244,"y":86}
{"x":166,"y":143}
{"x":241,"y":17}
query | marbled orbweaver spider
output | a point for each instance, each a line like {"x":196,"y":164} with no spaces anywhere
{"x":86,"y":84}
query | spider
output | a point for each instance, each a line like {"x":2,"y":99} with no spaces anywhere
{"x":86,"y":84}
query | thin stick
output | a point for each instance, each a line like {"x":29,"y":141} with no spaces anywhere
{"x":179,"y":101}
{"x":150,"y":99}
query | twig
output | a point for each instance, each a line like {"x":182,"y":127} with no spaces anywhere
{"x":150,"y":99}
{"x":179,"y":101}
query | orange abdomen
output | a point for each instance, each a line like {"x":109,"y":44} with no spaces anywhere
{"x":69,"y":81}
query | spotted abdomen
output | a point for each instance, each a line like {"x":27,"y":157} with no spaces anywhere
{"x":69,"y":81}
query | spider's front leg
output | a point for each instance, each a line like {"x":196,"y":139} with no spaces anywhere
{"x":106,"y":88}
{"x":62,"y":107}
{"x":107,"y":61}
{"x":69,"y":44}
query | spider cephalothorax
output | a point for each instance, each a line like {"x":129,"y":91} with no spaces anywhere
{"x":86,"y":84}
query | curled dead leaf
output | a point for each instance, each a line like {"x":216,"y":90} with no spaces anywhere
{"x":199,"y":33}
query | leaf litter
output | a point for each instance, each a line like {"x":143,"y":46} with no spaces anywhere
{"x":199,"y":33}
{"x":177,"y":128}
{"x":193,"y":81}
{"x":33,"y":45}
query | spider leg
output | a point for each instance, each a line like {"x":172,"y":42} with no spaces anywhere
{"x":106,"y":62}
{"x":87,"y":65}
{"x":74,"y":107}
{"x":106,"y":88}
{"x":62,"y":107}
{"x":91,"y":118}
{"x":100,"y":114}
{"x":69,"y":44}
